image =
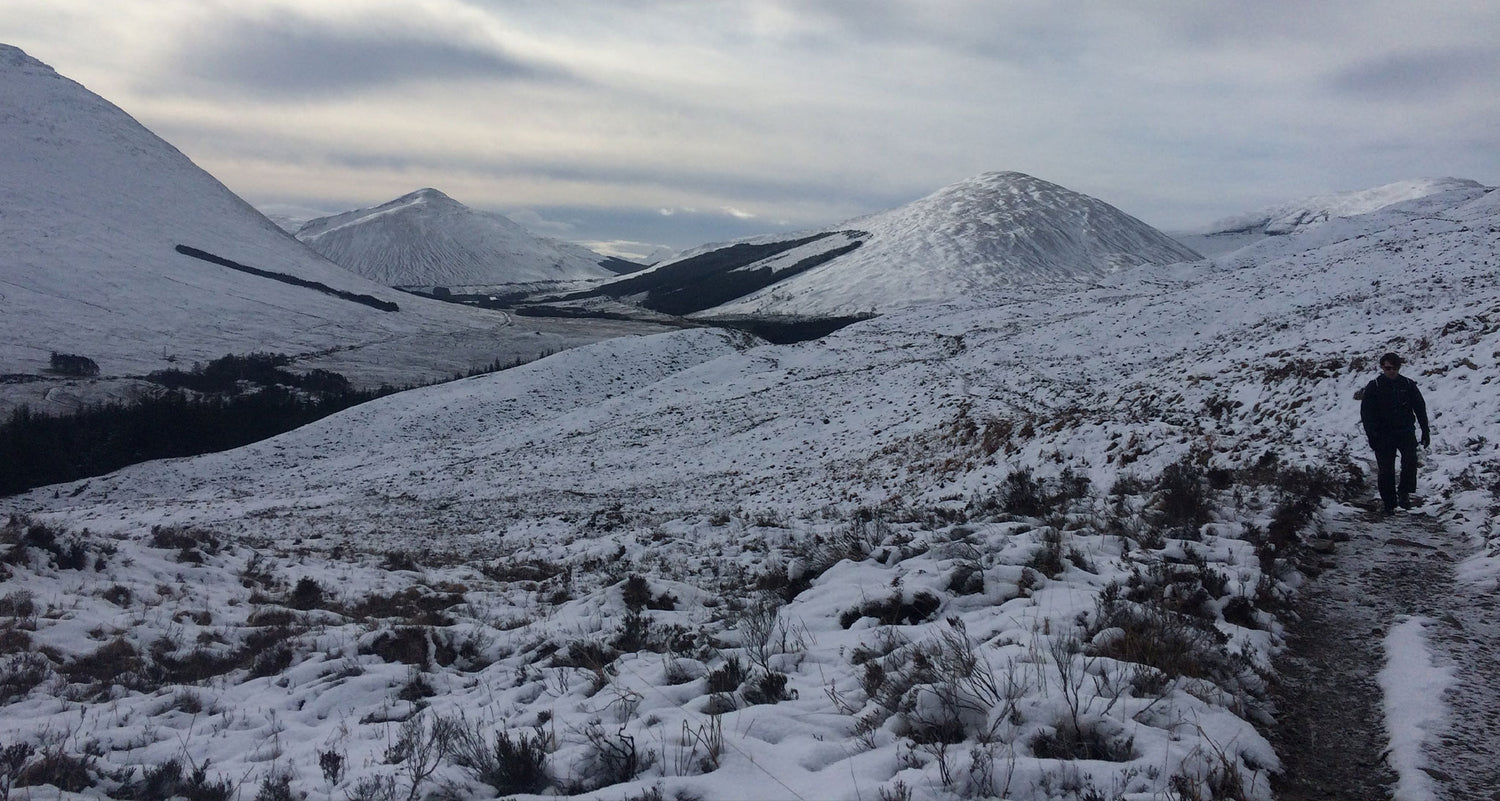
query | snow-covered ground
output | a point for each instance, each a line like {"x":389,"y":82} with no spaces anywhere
{"x":576,"y":553}
{"x":1414,"y":707}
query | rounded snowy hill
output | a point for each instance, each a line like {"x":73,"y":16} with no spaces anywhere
{"x":995,"y":230}
{"x":1240,"y":230}
{"x":1299,"y":215}
{"x":429,"y":239}
{"x":93,"y":209}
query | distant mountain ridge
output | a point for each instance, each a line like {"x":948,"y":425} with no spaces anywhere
{"x":1298,"y":215}
{"x":426,"y":238}
{"x":1238,"y":231}
{"x":992,"y":231}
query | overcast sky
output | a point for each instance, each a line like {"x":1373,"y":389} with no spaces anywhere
{"x":678,"y":123}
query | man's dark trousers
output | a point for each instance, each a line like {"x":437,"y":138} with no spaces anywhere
{"x":1385,"y":459}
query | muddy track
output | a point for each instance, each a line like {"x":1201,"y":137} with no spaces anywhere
{"x":1331,"y":731}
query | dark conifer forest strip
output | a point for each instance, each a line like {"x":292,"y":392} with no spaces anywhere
{"x":285,"y":278}
{"x":37,"y":449}
{"x":227,"y":403}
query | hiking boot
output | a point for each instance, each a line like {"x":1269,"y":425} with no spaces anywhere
{"x":1390,"y":509}
{"x":1404,"y":502}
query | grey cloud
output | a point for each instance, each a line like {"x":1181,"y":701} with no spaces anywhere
{"x":300,"y":58}
{"x":1414,"y":76}
{"x":771,"y":189}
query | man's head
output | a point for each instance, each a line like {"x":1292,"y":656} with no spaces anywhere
{"x":1390,"y":364}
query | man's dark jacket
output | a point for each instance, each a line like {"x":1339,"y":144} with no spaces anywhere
{"x":1388,"y":408}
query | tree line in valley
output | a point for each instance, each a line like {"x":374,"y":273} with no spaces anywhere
{"x":223,"y":404}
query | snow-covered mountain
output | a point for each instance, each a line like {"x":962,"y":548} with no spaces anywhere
{"x":93,"y":208}
{"x":690,"y":564}
{"x":426,"y":238}
{"x":701,"y":419}
{"x":999,"y":229}
{"x":1239,"y":230}
{"x":716,"y":472}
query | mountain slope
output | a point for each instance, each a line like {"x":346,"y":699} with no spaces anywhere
{"x":426,"y":238}
{"x":92,"y":209}
{"x":838,"y":418}
{"x":999,"y":229}
{"x":801,"y":566}
{"x":1296,"y":216}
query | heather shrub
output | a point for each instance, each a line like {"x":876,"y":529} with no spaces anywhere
{"x":728,"y":677}
{"x":275,"y":786}
{"x":614,"y":758}
{"x":17,"y":604}
{"x":12,"y":761}
{"x":896,"y":609}
{"x":115,"y":662}
{"x":417,"y":605}
{"x":1023,"y":495}
{"x":419,"y":646}
{"x":767,"y":688}
{"x":1175,"y":644}
{"x":308,"y":594}
{"x":1082,"y":739}
{"x":68,"y":772}
{"x":1183,"y":497}
{"x":1047,"y":559}
{"x":509,"y":764}
{"x":20,"y":672}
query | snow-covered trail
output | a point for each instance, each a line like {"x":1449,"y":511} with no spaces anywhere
{"x":1329,"y":723}
{"x":1364,"y":713}
{"x":1465,"y":634}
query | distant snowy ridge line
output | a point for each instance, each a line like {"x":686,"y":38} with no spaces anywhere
{"x":1299,"y":215}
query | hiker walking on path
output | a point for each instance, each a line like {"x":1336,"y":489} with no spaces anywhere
{"x":1388,"y":407}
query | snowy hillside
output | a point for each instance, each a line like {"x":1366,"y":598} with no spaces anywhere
{"x":996,"y":230}
{"x":1232,"y":233}
{"x":92,"y":209}
{"x":784,"y":427}
{"x":429,"y":239}
{"x":693,"y":563}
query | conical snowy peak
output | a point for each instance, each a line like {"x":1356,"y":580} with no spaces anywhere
{"x":423,"y":202}
{"x":997,"y":229}
{"x":1023,"y":229}
{"x":428,"y":198}
{"x":426,"y":238}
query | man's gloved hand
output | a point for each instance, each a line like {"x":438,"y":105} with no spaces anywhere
{"x":1426,"y":439}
